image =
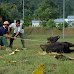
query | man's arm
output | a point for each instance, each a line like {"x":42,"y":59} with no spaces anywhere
{"x":9,"y":36}
{"x":8,"y":30}
{"x":16,"y":34}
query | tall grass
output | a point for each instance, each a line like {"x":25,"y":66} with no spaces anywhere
{"x":28,"y":60}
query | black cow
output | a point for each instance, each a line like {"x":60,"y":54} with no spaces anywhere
{"x":53,"y":39}
{"x":58,"y":47}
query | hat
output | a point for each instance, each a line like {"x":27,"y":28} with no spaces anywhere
{"x":6,"y":22}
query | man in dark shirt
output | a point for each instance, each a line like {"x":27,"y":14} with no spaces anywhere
{"x":3,"y":35}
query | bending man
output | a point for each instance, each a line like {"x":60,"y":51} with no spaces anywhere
{"x":17,"y":31}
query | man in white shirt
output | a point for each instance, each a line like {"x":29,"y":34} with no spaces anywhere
{"x":17,"y":31}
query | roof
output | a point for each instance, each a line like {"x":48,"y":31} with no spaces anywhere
{"x":70,"y":17}
{"x":21,"y":21}
{"x":36,"y":21}
{"x":60,"y":20}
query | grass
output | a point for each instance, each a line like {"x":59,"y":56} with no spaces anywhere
{"x":28,"y":60}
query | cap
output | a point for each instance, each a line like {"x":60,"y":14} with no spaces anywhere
{"x":6,"y":22}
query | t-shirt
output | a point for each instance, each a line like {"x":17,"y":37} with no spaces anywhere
{"x":16,"y":28}
{"x":2,"y":31}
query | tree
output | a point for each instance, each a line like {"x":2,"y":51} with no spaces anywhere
{"x":15,"y":14}
{"x":43,"y":23}
{"x":60,"y":25}
{"x":51,"y":24}
{"x":13,"y":6}
{"x":73,"y":24}
{"x":27,"y":20}
{"x":5,"y":16}
{"x":69,"y":5}
{"x":66,"y":24}
{"x":47,"y":10}
{"x":32,"y":5}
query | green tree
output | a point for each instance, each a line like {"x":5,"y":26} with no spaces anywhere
{"x":27,"y":20}
{"x":60,"y":26}
{"x":47,"y":10}
{"x":51,"y":24}
{"x":43,"y":23}
{"x":5,"y":16}
{"x":13,"y":6}
{"x":32,"y":5}
{"x":69,"y":5}
{"x":66,"y":24}
{"x":73,"y":24}
{"x":15,"y":14}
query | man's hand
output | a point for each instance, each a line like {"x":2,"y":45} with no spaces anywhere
{"x":16,"y":34}
{"x":14,"y":38}
{"x":9,"y":36}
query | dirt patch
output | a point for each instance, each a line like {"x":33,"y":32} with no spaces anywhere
{"x":69,"y":31}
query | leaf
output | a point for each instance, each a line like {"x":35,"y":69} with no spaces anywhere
{"x":7,"y":61}
{"x":1,"y":57}
{"x":62,"y":57}
{"x":14,"y":52}
{"x":42,"y":53}
{"x":39,"y":70}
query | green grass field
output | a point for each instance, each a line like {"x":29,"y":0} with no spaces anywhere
{"x":28,"y":60}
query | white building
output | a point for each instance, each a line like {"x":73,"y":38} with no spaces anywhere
{"x":35,"y":23}
{"x":69,"y":19}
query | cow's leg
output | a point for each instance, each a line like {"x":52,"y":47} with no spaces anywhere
{"x":68,"y":44}
{"x":43,"y":47}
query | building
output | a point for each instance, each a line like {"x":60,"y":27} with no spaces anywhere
{"x":35,"y":23}
{"x":69,"y":19}
{"x":21,"y":21}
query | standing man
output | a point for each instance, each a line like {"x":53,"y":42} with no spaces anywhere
{"x":3,"y":35}
{"x":17,"y":31}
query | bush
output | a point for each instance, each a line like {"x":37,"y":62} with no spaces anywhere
{"x":60,"y":26}
{"x":43,"y":23}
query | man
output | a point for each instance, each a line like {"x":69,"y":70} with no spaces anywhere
{"x":0,"y":25}
{"x":1,"y":43}
{"x":17,"y":31}
{"x":3,"y":35}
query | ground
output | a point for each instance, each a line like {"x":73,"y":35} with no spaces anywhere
{"x":48,"y":31}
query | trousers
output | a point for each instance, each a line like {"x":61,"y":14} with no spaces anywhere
{"x":3,"y":41}
{"x":22,"y":40}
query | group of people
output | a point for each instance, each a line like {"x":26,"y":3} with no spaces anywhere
{"x":4,"y":34}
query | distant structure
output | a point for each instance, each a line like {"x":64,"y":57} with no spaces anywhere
{"x":21,"y":21}
{"x":35,"y":23}
{"x":69,"y":19}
